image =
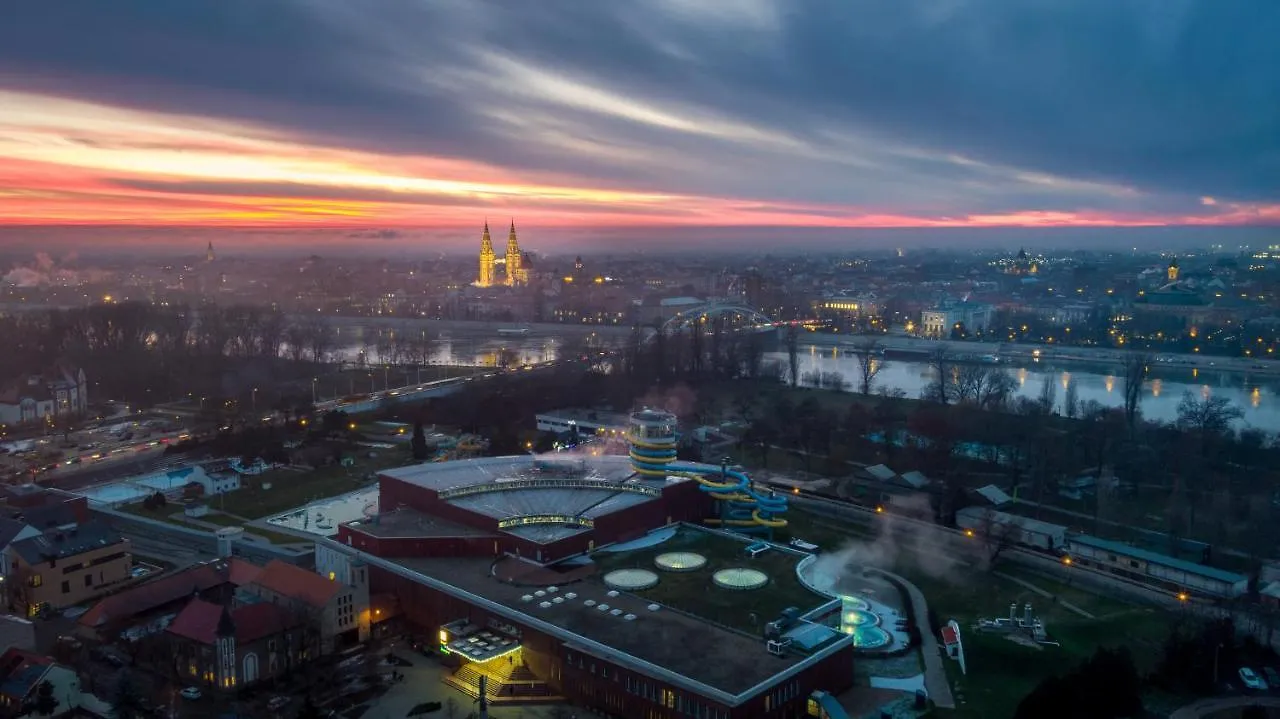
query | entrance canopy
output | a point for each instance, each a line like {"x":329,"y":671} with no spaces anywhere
{"x":476,"y":643}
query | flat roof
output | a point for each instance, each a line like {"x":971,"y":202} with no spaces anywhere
{"x":594,"y":416}
{"x":1165,"y":560}
{"x":729,"y":661}
{"x":686,"y":647}
{"x":443,"y":476}
{"x":407,"y":523}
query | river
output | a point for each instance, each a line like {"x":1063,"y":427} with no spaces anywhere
{"x":1257,"y":396}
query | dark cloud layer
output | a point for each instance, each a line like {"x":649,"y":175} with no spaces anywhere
{"x":863,"y":101}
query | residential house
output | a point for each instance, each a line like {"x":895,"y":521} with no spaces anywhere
{"x":57,"y":392}
{"x":21,"y":675}
{"x":64,"y":566}
{"x":12,"y":530}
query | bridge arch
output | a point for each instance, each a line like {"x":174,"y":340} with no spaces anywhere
{"x":739,"y":316}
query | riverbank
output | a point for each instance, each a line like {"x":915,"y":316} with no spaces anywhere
{"x":1009,"y":352}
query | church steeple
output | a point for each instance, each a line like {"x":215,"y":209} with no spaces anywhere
{"x":1173,"y":270}
{"x":208,"y":253}
{"x":486,"y":259}
{"x":516,"y":275}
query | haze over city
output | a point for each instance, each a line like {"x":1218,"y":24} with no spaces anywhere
{"x":643,"y":359}
{"x":664,"y":121}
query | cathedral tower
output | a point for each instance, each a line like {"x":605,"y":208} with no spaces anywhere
{"x":486,"y":259}
{"x":516,"y":273}
{"x":208,"y":253}
{"x":1173,"y":270}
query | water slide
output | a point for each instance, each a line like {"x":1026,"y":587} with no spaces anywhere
{"x":745,"y":507}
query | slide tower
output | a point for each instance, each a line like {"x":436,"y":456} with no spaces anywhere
{"x":653,"y":440}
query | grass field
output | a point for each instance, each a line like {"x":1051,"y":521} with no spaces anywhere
{"x":1001,"y":672}
{"x":694,"y":592}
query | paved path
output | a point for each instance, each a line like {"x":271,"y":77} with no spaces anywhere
{"x":935,"y":673}
{"x":1207,"y":707}
{"x":1045,"y":593}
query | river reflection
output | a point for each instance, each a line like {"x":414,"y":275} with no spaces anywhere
{"x":1256,"y":396}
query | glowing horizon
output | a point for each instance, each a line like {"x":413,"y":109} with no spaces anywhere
{"x":71,"y":162}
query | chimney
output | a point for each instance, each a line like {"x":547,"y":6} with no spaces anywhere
{"x":1027,"y":616}
{"x":1013,"y":611}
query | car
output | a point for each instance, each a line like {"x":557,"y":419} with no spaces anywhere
{"x":1251,"y":680}
{"x":277,"y":702}
{"x":191,"y":693}
{"x":1272,"y":676}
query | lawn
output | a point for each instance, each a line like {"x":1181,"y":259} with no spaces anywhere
{"x":694,"y":592}
{"x":1001,"y":672}
{"x":291,"y":488}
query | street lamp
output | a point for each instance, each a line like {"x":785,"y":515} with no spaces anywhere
{"x":255,"y":400}
{"x":313,"y":390}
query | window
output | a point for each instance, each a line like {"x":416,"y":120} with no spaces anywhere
{"x":66,"y":586}
{"x":35,"y":581}
{"x":88,"y":580}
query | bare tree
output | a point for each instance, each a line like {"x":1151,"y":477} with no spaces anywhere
{"x":1135,"y":369}
{"x":998,"y":534}
{"x":793,"y":361}
{"x":870,"y":357}
{"x":1071,"y":402}
{"x":1048,"y":394}
{"x":943,"y":364}
{"x":1209,"y":418}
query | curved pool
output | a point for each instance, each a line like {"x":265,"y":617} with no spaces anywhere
{"x":870,"y":637}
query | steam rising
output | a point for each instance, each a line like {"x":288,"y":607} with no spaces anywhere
{"x":42,"y":273}
{"x":899,"y":545}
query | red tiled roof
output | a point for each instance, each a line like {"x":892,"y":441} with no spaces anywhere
{"x":154,"y":594}
{"x":257,"y":621}
{"x":289,"y":580}
{"x":199,"y":621}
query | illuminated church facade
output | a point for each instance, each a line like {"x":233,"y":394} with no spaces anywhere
{"x":514,"y":263}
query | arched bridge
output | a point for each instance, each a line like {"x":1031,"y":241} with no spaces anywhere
{"x":736,"y":316}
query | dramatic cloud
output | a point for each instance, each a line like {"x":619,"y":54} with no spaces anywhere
{"x":826,"y":113}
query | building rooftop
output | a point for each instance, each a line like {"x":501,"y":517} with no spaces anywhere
{"x":614,"y":419}
{"x":56,"y":544}
{"x":407,"y":522}
{"x":692,"y":641}
{"x":1163,"y":560}
{"x":445,"y":476}
{"x":506,"y":489}
{"x":157,"y":593}
{"x":290,"y":580}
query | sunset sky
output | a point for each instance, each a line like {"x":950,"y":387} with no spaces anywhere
{"x":640,"y":113}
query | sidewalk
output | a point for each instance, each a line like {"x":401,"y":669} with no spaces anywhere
{"x":935,"y":672}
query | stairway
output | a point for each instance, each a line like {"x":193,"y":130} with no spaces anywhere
{"x":507,"y":682}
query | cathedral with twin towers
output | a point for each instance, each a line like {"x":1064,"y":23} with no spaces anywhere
{"x":515,"y":264}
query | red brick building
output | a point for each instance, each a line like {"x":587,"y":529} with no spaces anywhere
{"x":508,"y":565}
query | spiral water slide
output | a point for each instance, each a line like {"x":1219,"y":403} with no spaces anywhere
{"x":745,"y":507}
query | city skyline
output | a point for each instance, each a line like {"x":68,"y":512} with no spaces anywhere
{"x":663,"y":119}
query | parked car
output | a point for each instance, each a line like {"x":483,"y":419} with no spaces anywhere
{"x":1251,"y":680}
{"x":191,"y":693}
{"x":277,"y":702}
{"x":1272,"y":676}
